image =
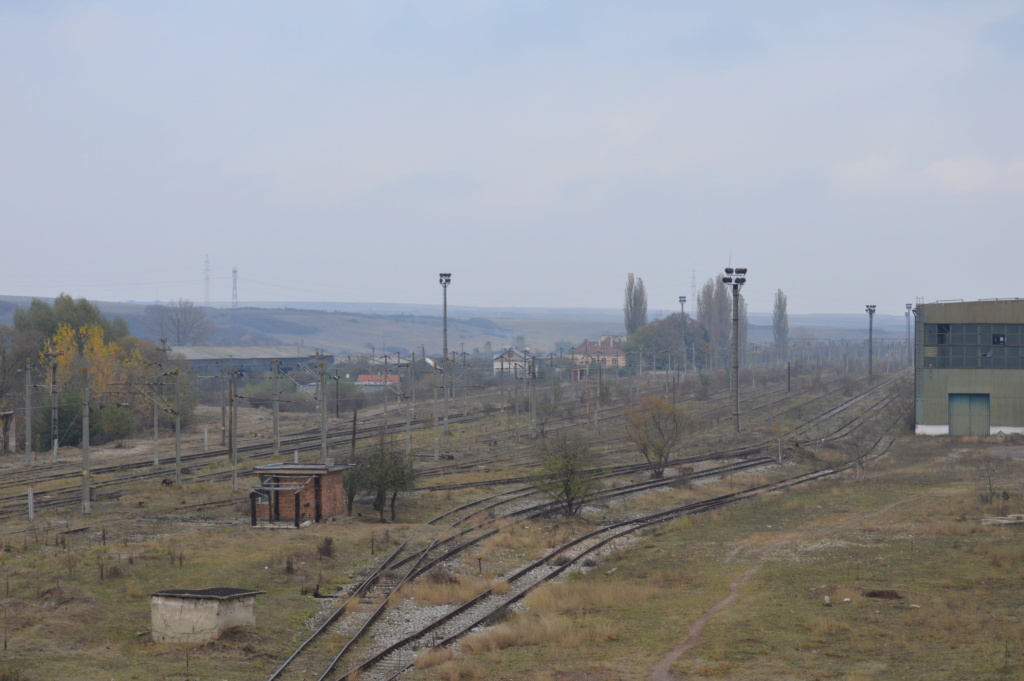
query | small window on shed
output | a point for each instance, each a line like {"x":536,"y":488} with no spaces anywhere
{"x":999,"y":339}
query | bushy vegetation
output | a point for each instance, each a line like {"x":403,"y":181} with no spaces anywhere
{"x":57,"y":343}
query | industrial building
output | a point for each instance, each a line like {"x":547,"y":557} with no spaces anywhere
{"x":969,"y":367}
{"x":210,"y":360}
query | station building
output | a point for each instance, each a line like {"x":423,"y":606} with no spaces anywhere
{"x":969,"y":367}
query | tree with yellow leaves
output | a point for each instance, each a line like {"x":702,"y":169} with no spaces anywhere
{"x":111,"y":368}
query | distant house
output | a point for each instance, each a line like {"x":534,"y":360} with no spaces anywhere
{"x":606,"y":351}
{"x":511,"y":361}
{"x":380,"y":381}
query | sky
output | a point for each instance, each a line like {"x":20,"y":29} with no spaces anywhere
{"x":846,"y":153}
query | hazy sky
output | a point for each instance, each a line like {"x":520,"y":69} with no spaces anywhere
{"x":845,"y":152}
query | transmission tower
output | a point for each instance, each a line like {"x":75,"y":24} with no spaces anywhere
{"x":206,"y":298}
{"x":693,"y":285}
{"x":234,"y":287}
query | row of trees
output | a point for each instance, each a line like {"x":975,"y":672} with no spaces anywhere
{"x":708,"y":336}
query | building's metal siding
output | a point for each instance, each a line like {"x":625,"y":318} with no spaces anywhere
{"x":919,"y":381}
{"x":1004,"y":386}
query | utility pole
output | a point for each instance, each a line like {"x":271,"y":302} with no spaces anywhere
{"x":277,"y":413}
{"x":682,"y":327}
{"x":223,"y":406}
{"x":386,"y":386}
{"x":337,"y":394}
{"x":28,"y":411}
{"x":157,"y":397}
{"x":516,"y":384}
{"x":533,"y":396}
{"x":412,"y":383}
{"x":871,"y":337}
{"x":156,"y":427}
{"x":177,"y":426}
{"x":433,"y":407}
{"x":234,"y":430}
{"x":735,"y":279}
{"x":323,"y":412}
{"x":411,"y":406}
{"x":53,"y":399}
{"x":231,"y":413}
{"x":446,"y":279}
{"x":86,"y":492}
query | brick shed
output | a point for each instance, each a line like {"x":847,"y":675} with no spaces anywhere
{"x":295,"y":493}
{"x":194,"y":616}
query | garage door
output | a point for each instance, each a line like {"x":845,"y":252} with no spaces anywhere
{"x":968,"y":414}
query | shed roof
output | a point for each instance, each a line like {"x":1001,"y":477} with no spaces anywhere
{"x":302,"y":468}
{"x":219,"y":593}
{"x":377,"y":379}
{"x":243,"y":352}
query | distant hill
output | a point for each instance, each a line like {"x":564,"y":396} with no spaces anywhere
{"x":358,"y":328}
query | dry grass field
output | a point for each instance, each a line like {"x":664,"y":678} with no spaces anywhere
{"x":893,"y":577}
{"x":918,"y":586}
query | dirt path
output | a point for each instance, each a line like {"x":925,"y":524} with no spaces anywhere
{"x":662,"y":670}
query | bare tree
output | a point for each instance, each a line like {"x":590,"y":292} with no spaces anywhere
{"x":656,"y":428}
{"x":181,"y":324}
{"x":384,"y":471}
{"x":563,"y":476}
{"x":635,"y":306}
{"x":780,"y":326}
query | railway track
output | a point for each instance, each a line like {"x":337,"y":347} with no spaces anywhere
{"x":384,"y":661}
{"x":396,"y":654}
{"x":467,"y":526}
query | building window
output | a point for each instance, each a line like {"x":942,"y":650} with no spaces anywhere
{"x":974,"y":346}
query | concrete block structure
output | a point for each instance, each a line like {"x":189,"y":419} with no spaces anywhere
{"x":195,"y":616}
{"x":969,"y":367}
{"x":294,"y":493}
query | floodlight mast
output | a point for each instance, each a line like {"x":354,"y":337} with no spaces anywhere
{"x":446,"y":279}
{"x":735,"y":279}
{"x":871,"y":333}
